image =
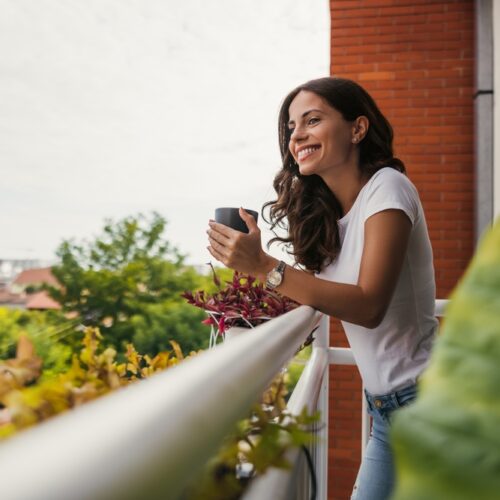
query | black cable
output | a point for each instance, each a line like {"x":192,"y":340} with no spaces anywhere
{"x":310,"y":465}
{"x":483,"y":92}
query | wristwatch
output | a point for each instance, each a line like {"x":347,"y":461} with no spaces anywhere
{"x":275,"y":276}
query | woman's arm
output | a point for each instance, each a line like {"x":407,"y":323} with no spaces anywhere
{"x":386,"y":240}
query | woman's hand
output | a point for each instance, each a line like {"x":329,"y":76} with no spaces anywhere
{"x":239,"y":251}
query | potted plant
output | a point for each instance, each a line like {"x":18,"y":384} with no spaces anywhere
{"x":243,"y":303}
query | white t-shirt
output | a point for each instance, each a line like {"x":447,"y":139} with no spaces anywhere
{"x":395,"y":353}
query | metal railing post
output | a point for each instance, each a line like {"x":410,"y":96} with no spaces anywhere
{"x":321,"y":447}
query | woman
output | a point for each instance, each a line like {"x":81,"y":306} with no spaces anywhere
{"x":357,"y":228}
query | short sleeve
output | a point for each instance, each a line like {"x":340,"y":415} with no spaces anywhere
{"x":390,"y":189}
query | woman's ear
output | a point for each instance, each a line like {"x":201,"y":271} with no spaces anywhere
{"x":360,"y":128}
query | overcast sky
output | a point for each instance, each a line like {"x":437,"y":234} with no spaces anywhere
{"x":109,"y":108}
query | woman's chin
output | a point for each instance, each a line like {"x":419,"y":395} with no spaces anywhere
{"x":306,"y":169}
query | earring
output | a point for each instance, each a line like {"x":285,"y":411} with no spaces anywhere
{"x":355,"y":139}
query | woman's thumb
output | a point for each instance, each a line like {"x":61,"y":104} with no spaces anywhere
{"x":248,"y":219}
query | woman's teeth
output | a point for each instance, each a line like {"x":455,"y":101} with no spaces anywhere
{"x":303,"y":153}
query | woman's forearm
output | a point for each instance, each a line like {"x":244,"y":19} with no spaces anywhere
{"x":346,"y":302}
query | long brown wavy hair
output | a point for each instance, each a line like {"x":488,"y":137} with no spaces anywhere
{"x":305,"y":206}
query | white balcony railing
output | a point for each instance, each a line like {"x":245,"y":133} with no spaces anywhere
{"x":148,"y":440}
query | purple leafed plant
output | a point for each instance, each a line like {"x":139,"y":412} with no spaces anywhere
{"x":244,"y":301}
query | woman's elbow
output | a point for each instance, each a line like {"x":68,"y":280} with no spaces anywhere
{"x":374,"y":317}
{"x":371,"y":323}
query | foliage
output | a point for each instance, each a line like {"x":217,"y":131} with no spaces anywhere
{"x":27,"y":399}
{"x":25,"y":368}
{"x":244,"y":301}
{"x":51,"y":333}
{"x":447,"y":444}
{"x":296,"y":366}
{"x":259,"y":443}
{"x":179,"y":321}
{"x":127,"y":280}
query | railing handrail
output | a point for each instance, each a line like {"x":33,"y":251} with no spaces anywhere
{"x":440,"y":307}
{"x":156,"y":433}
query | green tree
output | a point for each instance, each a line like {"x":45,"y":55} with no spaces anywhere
{"x":170,"y":320}
{"x":128,"y":282}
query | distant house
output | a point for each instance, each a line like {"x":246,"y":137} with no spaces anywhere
{"x":33,"y":278}
{"x":12,"y":300}
{"x":41,"y":301}
{"x":24,"y":293}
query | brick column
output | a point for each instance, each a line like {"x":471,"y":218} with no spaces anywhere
{"x":416,"y":58}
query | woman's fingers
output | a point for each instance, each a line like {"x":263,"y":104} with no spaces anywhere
{"x":216,"y":254}
{"x":222,"y":229}
{"x":216,"y":245}
{"x":219,"y":238}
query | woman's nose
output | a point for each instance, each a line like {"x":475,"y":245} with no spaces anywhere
{"x":297,"y":134}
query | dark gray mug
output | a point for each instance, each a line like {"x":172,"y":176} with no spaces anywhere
{"x":230,"y":216}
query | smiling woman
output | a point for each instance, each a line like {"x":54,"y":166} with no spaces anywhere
{"x":356,"y":226}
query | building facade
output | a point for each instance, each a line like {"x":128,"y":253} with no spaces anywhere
{"x":429,"y":66}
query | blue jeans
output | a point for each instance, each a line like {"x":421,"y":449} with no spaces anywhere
{"x":375,"y":479}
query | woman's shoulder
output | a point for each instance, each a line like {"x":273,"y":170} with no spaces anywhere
{"x":388,"y":173}
{"x":389,"y":188}
{"x":390,"y":178}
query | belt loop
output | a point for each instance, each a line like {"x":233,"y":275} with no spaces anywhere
{"x":405,"y":390}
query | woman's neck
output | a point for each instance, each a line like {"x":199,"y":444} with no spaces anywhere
{"x":346,"y":184}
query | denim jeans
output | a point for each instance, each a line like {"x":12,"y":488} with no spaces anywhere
{"x":375,"y":479}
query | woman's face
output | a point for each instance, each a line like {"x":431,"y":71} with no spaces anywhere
{"x":321,"y":139}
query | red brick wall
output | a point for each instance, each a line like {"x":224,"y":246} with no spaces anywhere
{"x":416,"y":58}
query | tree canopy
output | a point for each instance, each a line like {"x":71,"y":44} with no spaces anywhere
{"x":128,"y":281}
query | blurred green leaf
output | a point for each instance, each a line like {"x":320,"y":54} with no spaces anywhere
{"x":447,"y":444}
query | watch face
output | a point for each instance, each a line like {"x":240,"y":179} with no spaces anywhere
{"x":274,"y":278}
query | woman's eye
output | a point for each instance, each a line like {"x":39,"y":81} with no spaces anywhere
{"x":313,"y":120}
